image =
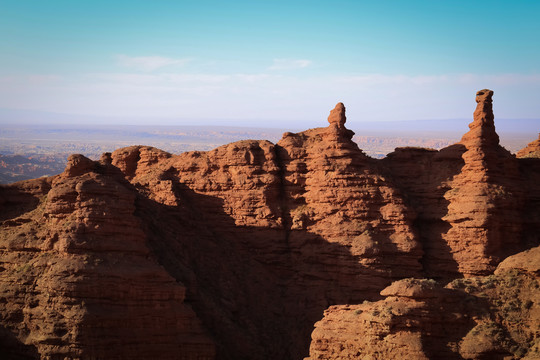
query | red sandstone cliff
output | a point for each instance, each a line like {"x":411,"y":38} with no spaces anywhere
{"x":305,"y":223}
{"x":77,"y":279}
{"x":236,"y":252}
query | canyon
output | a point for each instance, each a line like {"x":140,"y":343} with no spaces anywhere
{"x":306,"y":248}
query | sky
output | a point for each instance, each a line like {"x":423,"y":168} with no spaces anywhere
{"x":268,"y":63}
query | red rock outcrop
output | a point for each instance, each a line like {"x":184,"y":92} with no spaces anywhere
{"x":78,"y":281}
{"x":486,"y":199}
{"x":532,"y":150}
{"x":236,"y":252}
{"x":277,"y":211}
{"x":323,"y":167}
{"x":469,"y":197}
{"x":136,"y":160}
{"x":491,"y":317}
{"x":394,"y":328}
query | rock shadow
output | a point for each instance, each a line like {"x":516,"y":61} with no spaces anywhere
{"x":258,"y":291}
{"x":530,"y":173}
{"x":12,"y":348}
{"x":447,"y":321}
{"x":15,"y":202}
{"x":425,"y":176}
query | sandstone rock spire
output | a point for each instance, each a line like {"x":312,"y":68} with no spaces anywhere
{"x":482,"y":129}
{"x":337,"y":129}
{"x":486,"y":197}
{"x":337,"y":116}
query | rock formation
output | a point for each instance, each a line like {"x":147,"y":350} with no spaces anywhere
{"x":337,"y":116}
{"x":77,"y":279}
{"x":486,"y":199}
{"x":491,"y":317}
{"x":235,"y":253}
{"x":532,"y":150}
{"x":277,"y":212}
{"x":472,"y":190}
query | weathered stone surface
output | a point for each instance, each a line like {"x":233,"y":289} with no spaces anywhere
{"x":532,"y":150}
{"x":371,"y":232}
{"x":323,"y":168}
{"x":394,"y":328}
{"x":309,"y":221}
{"x":470,"y":199}
{"x":136,"y":160}
{"x":78,"y":281}
{"x":491,"y":317}
{"x":486,"y":200}
{"x":482,"y":130}
{"x":337,"y":116}
{"x":426,"y":176}
{"x":528,"y":261}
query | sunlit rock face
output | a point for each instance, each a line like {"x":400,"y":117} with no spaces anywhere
{"x":532,"y":150}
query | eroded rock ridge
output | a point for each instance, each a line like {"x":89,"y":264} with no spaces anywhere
{"x":235,"y":253}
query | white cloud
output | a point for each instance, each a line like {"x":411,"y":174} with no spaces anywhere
{"x":501,"y":79}
{"x":381,"y":79}
{"x":288,"y":64}
{"x":149,"y":63}
{"x":163,"y":78}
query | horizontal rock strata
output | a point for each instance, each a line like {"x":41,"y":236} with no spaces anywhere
{"x":78,"y":281}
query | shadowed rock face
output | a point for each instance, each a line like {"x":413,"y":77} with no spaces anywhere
{"x":235,"y":253}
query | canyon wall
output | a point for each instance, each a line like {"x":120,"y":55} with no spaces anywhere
{"x":237,"y":252}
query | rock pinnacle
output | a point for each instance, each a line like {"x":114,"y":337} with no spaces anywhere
{"x":337,"y":116}
{"x":482,"y":129}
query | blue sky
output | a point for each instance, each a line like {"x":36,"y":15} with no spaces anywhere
{"x":269,"y":63}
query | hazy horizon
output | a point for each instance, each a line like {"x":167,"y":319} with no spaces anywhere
{"x":285,"y":61}
{"x":10,"y":117}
